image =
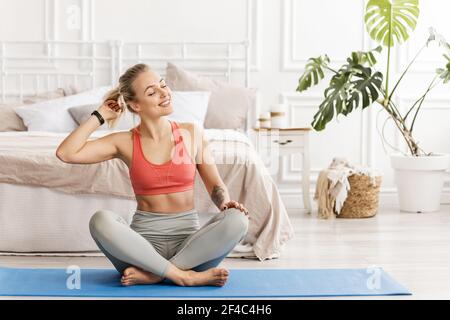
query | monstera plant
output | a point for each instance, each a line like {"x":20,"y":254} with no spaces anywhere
{"x":357,"y":84}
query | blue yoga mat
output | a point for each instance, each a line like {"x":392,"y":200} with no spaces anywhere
{"x":241,"y":283}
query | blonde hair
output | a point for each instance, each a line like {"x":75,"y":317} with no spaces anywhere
{"x":124,"y":92}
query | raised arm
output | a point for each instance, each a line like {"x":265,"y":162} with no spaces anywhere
{"x":210,"y":175}
{"x":76,"y":149}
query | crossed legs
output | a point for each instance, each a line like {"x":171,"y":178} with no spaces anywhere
{"x":195,"y":261}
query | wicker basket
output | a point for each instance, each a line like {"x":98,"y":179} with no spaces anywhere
{"x":362,"y":199}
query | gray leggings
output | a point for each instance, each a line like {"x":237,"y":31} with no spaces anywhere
{"x":154,"y":240}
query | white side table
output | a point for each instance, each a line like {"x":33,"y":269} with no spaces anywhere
{"x":287,"y":141}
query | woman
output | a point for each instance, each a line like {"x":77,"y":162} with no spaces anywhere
{"x":164,"y":239}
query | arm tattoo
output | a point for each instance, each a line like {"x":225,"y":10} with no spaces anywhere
{"x":218,"y":195}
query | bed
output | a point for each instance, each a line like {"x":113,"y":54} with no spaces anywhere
{"x":45,"y":204}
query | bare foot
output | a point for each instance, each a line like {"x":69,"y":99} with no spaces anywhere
{"x":210,"y":277}
{"x":133,"y":275}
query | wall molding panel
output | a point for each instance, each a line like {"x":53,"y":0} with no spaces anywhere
{"x":290,"y":61}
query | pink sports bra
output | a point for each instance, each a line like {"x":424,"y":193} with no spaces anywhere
{"x":175,"y":175}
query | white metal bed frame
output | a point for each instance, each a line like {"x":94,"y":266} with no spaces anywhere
{"x":101,"y":63}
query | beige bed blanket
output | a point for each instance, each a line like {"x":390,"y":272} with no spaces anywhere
{"x":29,"y":158}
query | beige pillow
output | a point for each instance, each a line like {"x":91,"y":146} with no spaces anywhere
{"x":233,"y":100}
{"x":9,"y":120}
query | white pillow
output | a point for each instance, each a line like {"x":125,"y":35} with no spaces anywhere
{"x":53,"y":115}
{"x":188,"y":106}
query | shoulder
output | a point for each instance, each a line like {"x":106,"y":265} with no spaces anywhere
{"x":195,"y":134}
{"x":185,"y":125}
{"x":192,"y":128}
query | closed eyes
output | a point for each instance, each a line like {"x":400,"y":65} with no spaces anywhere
{"x":164,"y":86}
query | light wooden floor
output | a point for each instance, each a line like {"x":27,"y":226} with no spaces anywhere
{"x":413,"y":248}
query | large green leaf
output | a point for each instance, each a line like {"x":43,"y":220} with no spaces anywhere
{"x":391,"y":21}
{"x":352,"y":87}
{"x":313,"y":72}
{"x":364,"y":90}
{"x":335,"y":97}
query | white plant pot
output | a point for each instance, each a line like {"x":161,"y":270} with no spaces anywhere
{"x":419,"y":181}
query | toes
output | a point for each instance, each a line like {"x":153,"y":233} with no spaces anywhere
{"x":224,"y":273}
{"x":127,"y":280}
{"x":128,"y":283}
{"x":221,"y":274}
{"x":221,"y":283}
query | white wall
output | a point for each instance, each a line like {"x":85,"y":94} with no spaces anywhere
{"x":283,"y":34}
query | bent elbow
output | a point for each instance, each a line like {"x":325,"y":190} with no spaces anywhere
{"x":61,"y":156}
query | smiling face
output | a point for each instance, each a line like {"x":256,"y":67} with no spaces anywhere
{"x":153,"y":96}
